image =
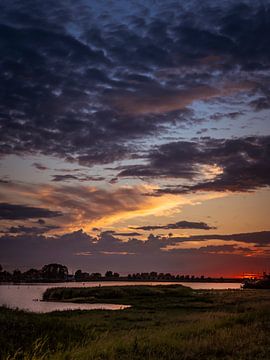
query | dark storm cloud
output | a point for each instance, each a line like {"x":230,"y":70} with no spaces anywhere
{"x":243,"y":164}
{"x":177,"y":225}
{"x":24,"y":212}
{"x":66,"y":66}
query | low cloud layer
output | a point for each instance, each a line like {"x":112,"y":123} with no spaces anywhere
{"x":106,"y":250}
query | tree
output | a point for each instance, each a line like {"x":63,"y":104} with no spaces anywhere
{"x":153,"y":274}
{"x":96,"y":276}
{"x":54,"y":272}
{"x":5,"y":276}
{"x":78,"y":275}
{"x":17,"y":275}
{"x":32,"y":275}
{"x":109,"y":274}
{"x":81,"y":276}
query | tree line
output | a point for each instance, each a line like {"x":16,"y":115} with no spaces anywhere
{"x":50,"y":272}
{"x":59,"y":273}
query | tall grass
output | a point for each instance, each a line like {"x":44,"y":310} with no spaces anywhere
{"x":207,"y":325}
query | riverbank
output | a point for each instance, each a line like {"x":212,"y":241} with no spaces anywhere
{"x":174,"y":323}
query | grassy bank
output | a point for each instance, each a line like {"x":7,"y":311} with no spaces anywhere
{"x":168,"y":323}
{"x":138,"y":296}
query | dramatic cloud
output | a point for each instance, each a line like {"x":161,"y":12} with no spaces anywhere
{"x":233,"y":164}
{"x":83,"y":84}
{"x":24,"y":212}
{"x":137,"y":109}
{"x":177,"y":225}
{"x":88,"y":204}
{"x":81,"y":206}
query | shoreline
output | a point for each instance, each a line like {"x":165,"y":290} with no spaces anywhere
{"x":211,"y":280}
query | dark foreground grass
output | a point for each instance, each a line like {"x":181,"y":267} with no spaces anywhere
{"x":170,"y":323}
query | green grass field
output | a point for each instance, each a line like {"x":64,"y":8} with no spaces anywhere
{"x":164,"y":322}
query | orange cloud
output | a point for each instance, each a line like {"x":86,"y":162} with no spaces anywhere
{"x":87,"y":207}
{"x":156,"y":101}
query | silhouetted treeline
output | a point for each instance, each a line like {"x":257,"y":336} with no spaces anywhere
{"x":48,"y":273}
{"x":59,"y":273}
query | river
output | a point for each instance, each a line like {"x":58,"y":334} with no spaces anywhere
{"x":28,"y":296}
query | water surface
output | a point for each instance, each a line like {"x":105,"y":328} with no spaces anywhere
{"x":28,"y":296}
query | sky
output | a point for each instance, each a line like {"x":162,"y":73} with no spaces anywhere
{"x":135,"y":135}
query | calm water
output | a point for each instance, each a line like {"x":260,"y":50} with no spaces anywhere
{"x":27,"y":297}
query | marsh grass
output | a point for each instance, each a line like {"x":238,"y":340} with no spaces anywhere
{"x":134,"y":295}
{"x":171,"y":325}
